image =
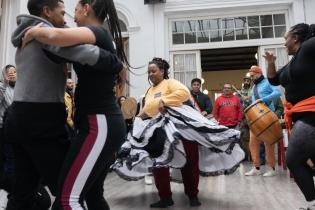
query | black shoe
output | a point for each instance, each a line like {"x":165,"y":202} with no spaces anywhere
{"x":163,"y":203}
{"x":194,"y":201}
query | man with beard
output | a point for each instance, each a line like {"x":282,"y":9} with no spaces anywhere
{"x":244,"y":96}
{"x":69,"y":102}
{"x":266,"y":93}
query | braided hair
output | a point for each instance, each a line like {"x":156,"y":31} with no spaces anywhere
{"x":162,"y":64}
{"x":105,"y":10}
{"x":303,"y":31}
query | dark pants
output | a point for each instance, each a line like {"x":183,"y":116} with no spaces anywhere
{"x":190,"y":173}
{"x":301,"y":148}
{"x":37,"y":135}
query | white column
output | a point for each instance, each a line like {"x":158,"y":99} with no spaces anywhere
{"x":10,"y":9}
{"x":298,"y":12}
{"x":309,"y":11}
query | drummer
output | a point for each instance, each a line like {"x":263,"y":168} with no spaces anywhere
{"x":264,"y":92}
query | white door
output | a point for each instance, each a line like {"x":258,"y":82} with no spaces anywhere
{"x":186,"y":65}
{"x":277,"y":50}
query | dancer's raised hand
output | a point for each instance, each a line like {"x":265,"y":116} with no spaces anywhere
{"x":270,"y":57}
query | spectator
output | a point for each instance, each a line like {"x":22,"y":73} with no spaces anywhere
{"x":262,"y":91}
{"x":228,"y":109}
{"x":201,"y":100}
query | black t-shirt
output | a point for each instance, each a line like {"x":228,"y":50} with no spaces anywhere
{"x":203,"y":101}
{"x":95,"y":89}
{"x":298,"y":77}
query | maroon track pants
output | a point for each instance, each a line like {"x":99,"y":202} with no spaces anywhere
{"x":190,"y":173}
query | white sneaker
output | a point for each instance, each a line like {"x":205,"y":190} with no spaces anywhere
{"x":253,"y":172}
{"x":148,"y":180}
{"x":269,"y":173}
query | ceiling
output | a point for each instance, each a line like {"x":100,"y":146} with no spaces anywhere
{"x":228,"y":59}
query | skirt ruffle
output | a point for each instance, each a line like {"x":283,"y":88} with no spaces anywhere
{"x":157,"y":142}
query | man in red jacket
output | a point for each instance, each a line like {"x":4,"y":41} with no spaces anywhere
{"x":228,"y":109}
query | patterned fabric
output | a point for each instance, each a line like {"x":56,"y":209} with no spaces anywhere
{"x":156,"y":142}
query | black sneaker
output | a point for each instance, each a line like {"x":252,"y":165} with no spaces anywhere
{"x":194,"y":201}
{"x":163,"y":203}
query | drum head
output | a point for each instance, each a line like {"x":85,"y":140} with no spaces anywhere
{"x":129,"y":108}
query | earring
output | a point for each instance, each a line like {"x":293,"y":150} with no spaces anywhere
{"x":85,"y":14}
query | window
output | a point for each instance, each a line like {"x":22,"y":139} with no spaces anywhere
{"x":185,"y":67}
{"x":228,"y":29}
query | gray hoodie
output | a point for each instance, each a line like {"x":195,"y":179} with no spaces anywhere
{"x":40,"y":67}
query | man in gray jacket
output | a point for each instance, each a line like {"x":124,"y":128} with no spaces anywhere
{"x":36,"y":119}
{"x":7,"y":83}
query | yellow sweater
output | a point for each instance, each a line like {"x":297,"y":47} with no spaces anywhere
{"x":69,"y":108}
{"x":170,"y":91}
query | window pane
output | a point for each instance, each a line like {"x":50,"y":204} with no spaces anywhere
{"x":282,"y":57}
{"x":179,"y":76}
{"x":202,"y":37}
{"x":241,"y":34}
{"x":215,"y":24}
{"x":228,"y":35}
{"x":123,"y":26}
{"x":216,"y":36}
{"x":178,"y":38}
{"x":280,"y":31}
{"x":253,"y":21}
{"x":203,"y":25}
{"x":190,"y":62}
{"x":228,"y":23}
{"x":240,"y":22}
{"x":190,"y":26}
{"x":267,"y":32}
{"x":254,"y":33}
{"x":179,"y":63}
{"x":189,"y":77}
{"x":178,"y":26}
{"x":190,"y":38}
{"x":279,"y":19}
{"x":266,"y":20}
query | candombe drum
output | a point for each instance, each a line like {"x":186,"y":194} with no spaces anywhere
{"x":263,"y":123}
{"x":129,"y":108}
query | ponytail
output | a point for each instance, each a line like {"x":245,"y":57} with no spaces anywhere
{"x":303,"y":31}
{"x":311,"y":31}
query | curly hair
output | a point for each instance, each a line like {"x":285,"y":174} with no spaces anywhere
{"x":162,"y":64}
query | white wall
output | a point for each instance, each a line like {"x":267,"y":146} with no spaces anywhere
{"x":148,"y":25}
{"x":309,"y":6}
{"x":11,"y":8}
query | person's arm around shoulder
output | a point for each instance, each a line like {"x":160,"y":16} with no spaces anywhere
{"x":62,"y":37}
{"x":85,"y":54}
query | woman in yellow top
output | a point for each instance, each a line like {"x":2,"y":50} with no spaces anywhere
{"x":166,"y":92}
{"x":167,"y":133}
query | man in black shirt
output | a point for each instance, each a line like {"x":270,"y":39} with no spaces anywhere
{"x":201,"y":100}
